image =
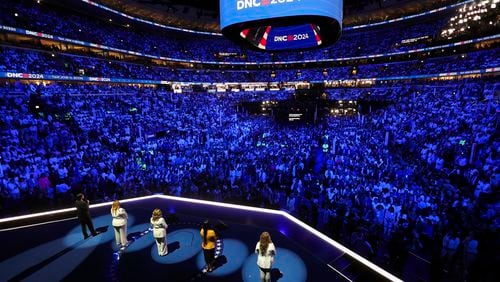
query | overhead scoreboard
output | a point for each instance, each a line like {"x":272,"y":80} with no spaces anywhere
{"x":273,"y":25}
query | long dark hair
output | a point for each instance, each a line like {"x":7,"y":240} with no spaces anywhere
{"x":265,"y":239}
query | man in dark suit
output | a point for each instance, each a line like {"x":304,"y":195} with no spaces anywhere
{"x":82,"y":209}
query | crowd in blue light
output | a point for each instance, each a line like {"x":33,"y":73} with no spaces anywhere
{"x":123,"y":141}
{"x":419,"y":175}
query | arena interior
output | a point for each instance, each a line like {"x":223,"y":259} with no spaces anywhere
{"x":383,"y":143}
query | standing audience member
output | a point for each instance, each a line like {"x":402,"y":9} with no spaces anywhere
{"x":451,"y":242}
{"x":470,"y":251}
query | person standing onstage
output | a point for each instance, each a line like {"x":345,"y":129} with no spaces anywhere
{"x":119,"y":223}
{"x":82,"y":211}
{"x":208,"y":239}
{"x":265,"y":256}
{"x":160,"y":232}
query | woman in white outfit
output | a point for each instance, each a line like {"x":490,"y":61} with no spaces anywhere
{"x":119,"y":224}
{"x":265,"y":256}
{"x":160,"y":232}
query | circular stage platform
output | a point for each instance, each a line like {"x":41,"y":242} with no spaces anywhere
{"x":50,"y":246}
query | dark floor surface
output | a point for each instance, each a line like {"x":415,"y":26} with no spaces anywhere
{"x":57,"y":251}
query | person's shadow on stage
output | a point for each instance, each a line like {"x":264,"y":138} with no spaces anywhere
{"x":102,"y":229}
{"x":220,"y":261}
{"x":46,"y":261}
{"x":133,"y":236}
{"x":276,"y":274}
{"x":172,"y":247}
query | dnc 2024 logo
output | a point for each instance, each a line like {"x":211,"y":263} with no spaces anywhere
{"x":246,"y":4}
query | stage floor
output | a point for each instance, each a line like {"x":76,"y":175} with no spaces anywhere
{"x":56,"y":251}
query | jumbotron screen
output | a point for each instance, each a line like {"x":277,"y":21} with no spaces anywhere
{"x":283,"y":37}
{"x":281,"y":24}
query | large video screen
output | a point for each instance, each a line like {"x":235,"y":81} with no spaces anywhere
{"x":238,"y":11}
{"x":283,"y":38}
{"x":281,"y":24}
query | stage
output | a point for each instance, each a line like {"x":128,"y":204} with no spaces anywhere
{"x":50,"y":246}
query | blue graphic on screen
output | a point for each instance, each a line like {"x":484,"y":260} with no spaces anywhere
{"x":239,"y":11}
{"x":292,"y":37}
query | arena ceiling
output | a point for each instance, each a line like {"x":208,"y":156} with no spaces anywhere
{"x":207,"y":5}
{"x":351,"y":6}
{"x":204,"y":14}
{"x":213,"y":5}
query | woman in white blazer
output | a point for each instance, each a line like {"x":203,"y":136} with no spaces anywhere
{"x":265,"y":256}
{"x":119,"y":224}
{"x":160,"y":232}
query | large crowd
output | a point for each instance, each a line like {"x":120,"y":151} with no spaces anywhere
{"x":418,"y":175}
{"x":40,"y":62}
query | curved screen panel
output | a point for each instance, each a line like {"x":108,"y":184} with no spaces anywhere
{"x":274,"y":25}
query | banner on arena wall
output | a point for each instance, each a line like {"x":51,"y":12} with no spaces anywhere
{"x":177,"y":86}
{"x":57,"y":77}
